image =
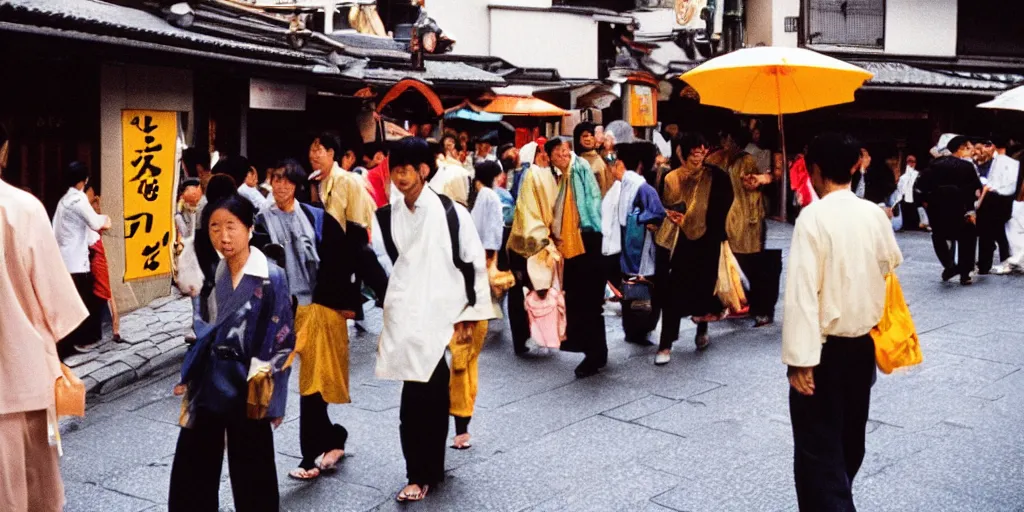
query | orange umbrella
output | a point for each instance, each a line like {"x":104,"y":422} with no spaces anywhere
{"x":523,"y":106}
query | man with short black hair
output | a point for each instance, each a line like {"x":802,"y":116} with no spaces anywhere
{"x":842,"y":249}
{"x":995,"y":207}
{"x":948,"y":189}
{"x":431,"y":302}
{"x":341,"y":193}
{"x":72,"y":221}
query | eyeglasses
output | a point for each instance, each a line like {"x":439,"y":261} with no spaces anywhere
{"x":611,"y":158}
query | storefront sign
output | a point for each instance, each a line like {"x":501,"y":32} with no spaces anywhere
{"x":267,"y":95}
{"x":149,"y":141}
{"x":641,"y":105}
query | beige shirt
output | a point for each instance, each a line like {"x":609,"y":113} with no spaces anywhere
{"x":347,"y":199}
{"x":842,"y":249}
{"x":39,"y":305}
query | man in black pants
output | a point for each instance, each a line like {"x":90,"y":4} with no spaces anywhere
{"x":842,"y":249}
{"x":948,"y":189}
{"x":996,"y":205}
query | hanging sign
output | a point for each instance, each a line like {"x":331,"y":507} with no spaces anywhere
{"x":149,"y":151}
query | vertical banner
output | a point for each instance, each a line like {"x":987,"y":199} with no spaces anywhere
{"x":148,"y":145}
{"x":641,"y":106}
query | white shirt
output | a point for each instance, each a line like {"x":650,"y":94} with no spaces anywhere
{"x":253,"y":195}
{"x":1002,"y":176}
{"x":611,"y":241}
{"x":490,"y":224}
{"x":72,"y":222}
{"x":426,"y":293}
{"x":905,"y":187}
{"x":842,"y":249}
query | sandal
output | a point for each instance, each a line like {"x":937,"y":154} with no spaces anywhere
{"x":404,"y":496}
{"x":332,"y":466}
{"x":304,"y":475}
{"x":461,"y":442}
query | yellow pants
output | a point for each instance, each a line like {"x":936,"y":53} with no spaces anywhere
{"x":465,"y":359}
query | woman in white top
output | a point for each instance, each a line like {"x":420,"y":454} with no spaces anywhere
{"x":485,"y":206}
{"x":72,"y":223}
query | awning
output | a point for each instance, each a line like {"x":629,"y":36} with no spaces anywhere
{"x":899,"y":76}
{"x":523,"y":106}
{"x":469,"y":114}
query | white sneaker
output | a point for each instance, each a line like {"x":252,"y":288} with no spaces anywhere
{"x":662,"y":358}
{"x":1002,"y":270}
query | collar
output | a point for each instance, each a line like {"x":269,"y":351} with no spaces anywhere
{"x":337,"y":169}
{"x":843,"y":193}
{"x":421,"y":201}
{"x":256,"y":265}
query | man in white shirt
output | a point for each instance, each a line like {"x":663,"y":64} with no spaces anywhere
{"x":249,"y":189}
{"x":430,"y":303}
{"x":842,"y":249}
{"x":72,"y":222}
{"x":996,"y":208}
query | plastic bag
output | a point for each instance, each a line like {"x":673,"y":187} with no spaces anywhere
{"x":896,"y":341}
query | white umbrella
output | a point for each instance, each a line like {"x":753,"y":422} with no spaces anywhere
{"x":1009,"y":100}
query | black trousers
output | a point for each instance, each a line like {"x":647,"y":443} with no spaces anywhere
{"x":946,"y":249}
{"x":195,"y":474}
{"x":992,"y":217}
{"x":90,"y":329}
{"x":518,"y":322}
{"x":584,"y":279}
{"x":317,"y":435}
{"x":424,"y":426}
{"x":829,"y":426}
{"x":763,"y":270}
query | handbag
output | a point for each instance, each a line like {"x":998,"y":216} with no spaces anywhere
{"x":500,"y":280}
{"x":637,"y":293}
{"x":729,"y":288}
{"x":896,"y":341}
{"x":69,"y":393}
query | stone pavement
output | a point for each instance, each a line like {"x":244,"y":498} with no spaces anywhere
{"x":709,"y":432}
{"x":153,"y":341}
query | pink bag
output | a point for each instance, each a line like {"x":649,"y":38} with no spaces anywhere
{"x":547,"y":317}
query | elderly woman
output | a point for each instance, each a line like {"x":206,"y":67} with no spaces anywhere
{"x":326,"y":295}
{"x":235,"y":376}
{"x":697,"y":198}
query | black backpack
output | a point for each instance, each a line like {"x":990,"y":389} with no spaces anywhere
{"x":452,"y":216}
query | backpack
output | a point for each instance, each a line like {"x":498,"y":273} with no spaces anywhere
{"x":452,"y":216}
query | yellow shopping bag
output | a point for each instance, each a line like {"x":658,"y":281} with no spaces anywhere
{"x":896,"y":342}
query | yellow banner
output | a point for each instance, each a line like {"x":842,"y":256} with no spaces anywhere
{"x":149,"y":146}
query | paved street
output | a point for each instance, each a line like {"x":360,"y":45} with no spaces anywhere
{"x":709,"y":432}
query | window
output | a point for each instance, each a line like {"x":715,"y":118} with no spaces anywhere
{"x":846,"y":22}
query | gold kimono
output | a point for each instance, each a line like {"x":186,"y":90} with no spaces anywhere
{"x":746,"y":217}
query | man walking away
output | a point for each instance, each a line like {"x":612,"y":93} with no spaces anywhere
{"x":948,"y":189}
{"x":842,"y":249}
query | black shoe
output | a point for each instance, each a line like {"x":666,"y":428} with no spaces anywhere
{"x":763,"y":320}
{"x":586,"y":369}
{"x":948,"y":274}
{"x":966,"y":281}
{"x":984,"y":272}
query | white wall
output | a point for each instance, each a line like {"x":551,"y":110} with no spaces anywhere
{"x":566,"y":42}
{"x":466,"y":21}
{"x":780,"y":10}
{"x":921,"y":27}
{"x":148,"y":88}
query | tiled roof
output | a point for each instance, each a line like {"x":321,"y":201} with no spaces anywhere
{"x":899,"y":74}
{"x":434,"y":72}
{"x":116,"y":20}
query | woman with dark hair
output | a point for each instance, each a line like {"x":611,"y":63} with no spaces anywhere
{"x":697,"y":199}
{"x":235,"y":377}
{"x":486,"y":206}
{"x":585,"y":145}
{"x":325,"y":295}
{"x":72,"y":223}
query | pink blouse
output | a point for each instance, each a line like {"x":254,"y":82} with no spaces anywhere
{"x":39,"y":305}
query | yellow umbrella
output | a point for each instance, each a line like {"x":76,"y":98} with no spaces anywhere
{"x":777,"y":81}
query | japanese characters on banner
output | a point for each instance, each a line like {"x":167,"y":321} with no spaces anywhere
{"x":149,"y":146}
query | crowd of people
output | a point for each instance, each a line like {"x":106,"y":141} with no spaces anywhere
{"x":447,"y":241}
